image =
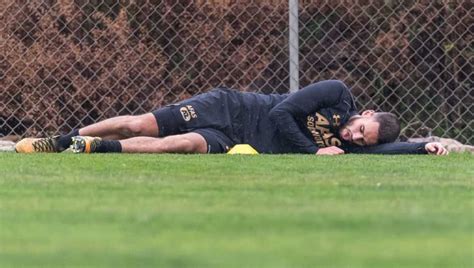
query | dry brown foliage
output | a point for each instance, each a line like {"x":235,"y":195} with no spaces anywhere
{"x":69,"y":63}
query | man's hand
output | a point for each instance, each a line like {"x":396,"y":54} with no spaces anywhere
{"x":332,"y":150}
{"x":436,"y":148}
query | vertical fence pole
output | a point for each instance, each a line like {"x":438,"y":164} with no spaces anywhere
{"x":293,"y":45}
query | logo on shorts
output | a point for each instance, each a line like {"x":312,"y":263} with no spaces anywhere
{"x":188,"y":112}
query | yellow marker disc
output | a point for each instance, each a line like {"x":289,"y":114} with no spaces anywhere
{"x":242,"y":149}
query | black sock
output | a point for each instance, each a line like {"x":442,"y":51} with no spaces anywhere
{"x":65,"y":140}
{"x":108,"y":147}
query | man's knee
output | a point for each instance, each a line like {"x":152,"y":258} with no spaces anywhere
{"x":186,"y":143}
{"x":187,"y":146}
{"x":130,"y":126}
{"x":141,"y":125}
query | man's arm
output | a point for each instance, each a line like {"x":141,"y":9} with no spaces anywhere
{"x":302,"y":103}
{"x":400,"y":148}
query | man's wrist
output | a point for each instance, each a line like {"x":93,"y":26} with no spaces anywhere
{"x":422,"y":148}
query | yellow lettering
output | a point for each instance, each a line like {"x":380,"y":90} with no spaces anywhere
{"x":322,"y":129}
{"x":322,"y":120}
{"x":319,"y":129}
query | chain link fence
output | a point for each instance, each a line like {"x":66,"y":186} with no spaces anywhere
{"x":69,"y":63}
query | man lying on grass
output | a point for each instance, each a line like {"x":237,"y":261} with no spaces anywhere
{"x":319,"y":119}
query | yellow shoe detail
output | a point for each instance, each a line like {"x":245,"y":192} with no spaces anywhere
{"x":85,"y":144}
{"x":37,"y":145}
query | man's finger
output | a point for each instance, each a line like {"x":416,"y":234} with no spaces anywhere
{"x":434,"y":149}
{"x":431,"y":148}
{"x":442,"y":151}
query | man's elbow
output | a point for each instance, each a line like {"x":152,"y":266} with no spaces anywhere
{"x":275,"y":113}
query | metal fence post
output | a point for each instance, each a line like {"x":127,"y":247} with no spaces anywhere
{"x":293,"y":45}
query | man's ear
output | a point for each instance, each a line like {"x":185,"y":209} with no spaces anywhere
{"x":368,"y":113}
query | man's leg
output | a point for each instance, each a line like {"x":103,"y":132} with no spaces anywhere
{"x":205,"y":140}
{"x":123,"y":127}
{"x":166,"y":121}
{"x":183,"y":143}
{"x":115,"y":128}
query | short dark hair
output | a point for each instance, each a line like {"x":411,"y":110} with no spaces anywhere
{"x":389,"y":128}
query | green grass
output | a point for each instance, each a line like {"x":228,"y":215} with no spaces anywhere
{"x":236,"y":211}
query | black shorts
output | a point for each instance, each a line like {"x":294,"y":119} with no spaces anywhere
{"x":208,"y":114}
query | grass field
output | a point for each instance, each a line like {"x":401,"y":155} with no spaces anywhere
{"x":236,"y":211}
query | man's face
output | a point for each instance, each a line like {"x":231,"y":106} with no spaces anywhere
{"x":362,"y":129}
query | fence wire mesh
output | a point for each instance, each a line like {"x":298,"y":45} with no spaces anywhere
{"x":69,"y":63}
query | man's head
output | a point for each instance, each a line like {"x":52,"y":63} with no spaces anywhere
{"x":371,"y":128}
